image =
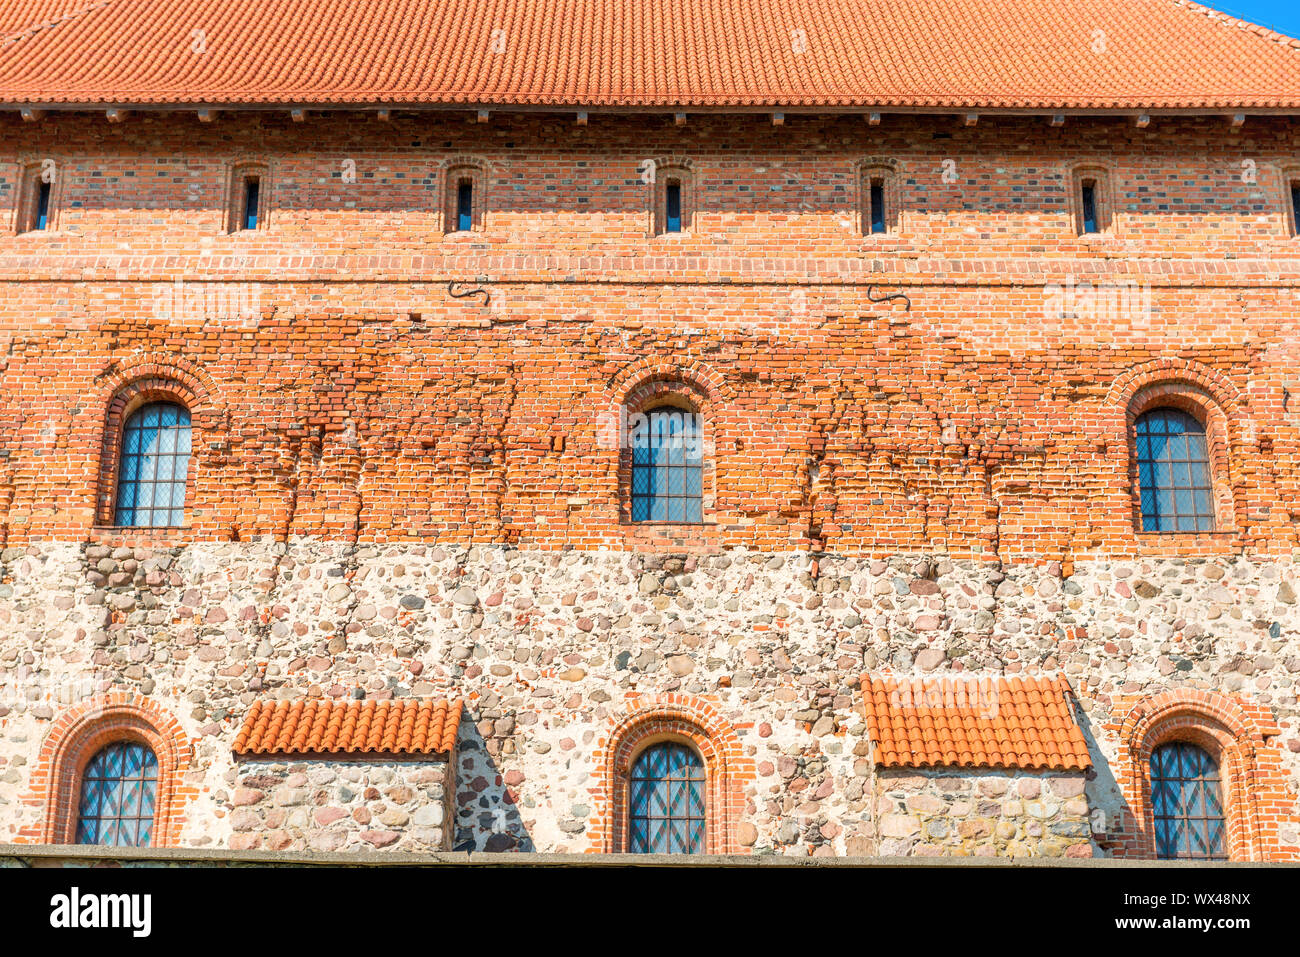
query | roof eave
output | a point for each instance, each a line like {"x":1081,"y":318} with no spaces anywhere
{"x":1042,"y":109}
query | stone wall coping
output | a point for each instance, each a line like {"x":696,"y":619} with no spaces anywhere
{"x":48,"y":855}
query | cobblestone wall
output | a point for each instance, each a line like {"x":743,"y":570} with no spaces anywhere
{"x":324,"y":805}
{"x":932,"y":814}
{"x":547,"y":646}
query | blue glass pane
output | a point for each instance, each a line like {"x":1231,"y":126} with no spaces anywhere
{"x":667,"y":471}
{"x":1173,"y":472}
{"x":1089,"y":208}
{"x":252,"y":195}
{"x":118,"y":796}
{"x":666,"y":812}
{"x":877,"y":206}
{"x":673,"y":201}
{"x":465,"y":206}
{"x":156,"y":445}
{"x":1187,"y":803}
{"x":43,"y":206}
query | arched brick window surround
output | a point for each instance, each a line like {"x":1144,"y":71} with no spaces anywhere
{"x":238,"y":172}
{"x":679,"y":169}
{"x":655,"y":385}
{"x":887,"y":171}
{"x":127,"y":390}
{"x":1102,"y":177}
{"x":1205,"y":395}
{"x":1289,"y":176}
{"x":28,"y":186}
{"x":79,"y":734}
{"x":1223,"y":728}
{"x":650,"y":720}
{"x":479,"y":172}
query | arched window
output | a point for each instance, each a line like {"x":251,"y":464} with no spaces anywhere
{"x":667,"y":466}
{"x":666,"y":801}
{"x":119,"y":791}
{"x":1187,"y":803}
{"x":878,"y":197}
{"x":672,"y":194}
{"x":1174,"y":472}
{"x":465,"y":201}
{"x":154,"y":465}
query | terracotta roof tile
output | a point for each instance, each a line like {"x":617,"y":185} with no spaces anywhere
{"x":973,"y":722}
{"x":994,"y":54}
{"x":365,"y":727}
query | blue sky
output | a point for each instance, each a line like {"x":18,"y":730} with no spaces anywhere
{"x":1281,"y":15}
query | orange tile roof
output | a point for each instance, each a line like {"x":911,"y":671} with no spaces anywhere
{"x":985,"y":722}
{"x":368,"y":727}
{"x":993,"y":54}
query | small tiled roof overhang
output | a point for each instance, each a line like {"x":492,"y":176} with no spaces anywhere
{"x":815,"y":55}
{"x":399,"y":727}
{"x":993,"y":722}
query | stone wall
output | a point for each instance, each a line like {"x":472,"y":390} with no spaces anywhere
{"x":547,"y":647}
{"x":982,"y":813}
{"x":336,"y":805}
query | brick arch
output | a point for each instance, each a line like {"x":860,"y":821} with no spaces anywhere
{"x":712,"y":389}
{"x":133,"y":383}
{"x":1175,"y":370}
{"x":78,"y":734}
{"x":1203,"y":393}
{"x":674,"y":161}
{"x":1227,"y":731}
{"x":469,"y":161}
{"x":650,"y":719}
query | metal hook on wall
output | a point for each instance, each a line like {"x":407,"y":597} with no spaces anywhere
{"x":892,"y":295}
{"x":451,"y":290}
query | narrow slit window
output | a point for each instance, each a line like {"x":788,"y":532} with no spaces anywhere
{"x":673,"y":207}
{"x":1295,"y":207}
{"x":877,"y":205}
{"x":42,"y":218}
{"x":36,"y":202}
{"x":1089,"y":201}
{"x":465,"y":205}
{"x":252,"y":195}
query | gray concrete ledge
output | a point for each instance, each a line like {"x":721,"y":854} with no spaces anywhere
{"x":82,"y":855}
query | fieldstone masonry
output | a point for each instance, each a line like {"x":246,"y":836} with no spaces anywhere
{"x":544,"y":646}
{"x":935,"y":814}
{"x":323,"y":805}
